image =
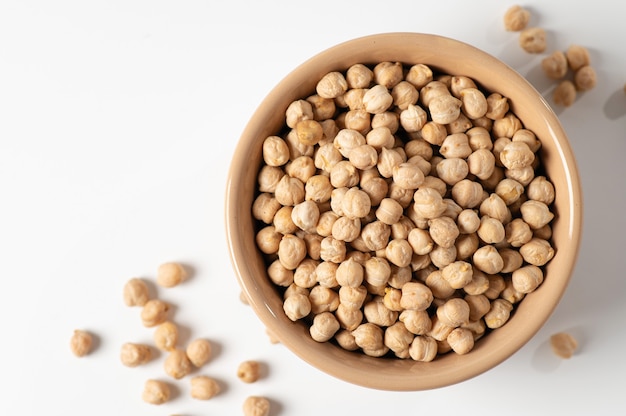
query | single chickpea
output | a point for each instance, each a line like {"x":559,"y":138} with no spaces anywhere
{"x":177,"y":364}
{"x":577,"y":57}
{"x":510,"y":294}
{"x":544,"y":232}
{"x":199,"y":352}
{"x":416,"y":296}
{"x":166,"y":336}
{"x":467,"y":193}
{"x":377,"y":313}
{"x":380,"y":137}
{"x":297,"y":111}
{"x":388,"y":119}
{"x":460,"y":125}
{"x":323,"y":299}
{"x":420,"y":241}
{"x":296,"y":147}
{"x":249,"y":371}
{"x":359,"y":76}
{"x":305,"y":215}
{"x":388,"y":74}
{"x":478,"y":284}
{"x":279,"y":274}
{"x":346,"y":229}
{"x":423,"y":348}
{"x":491,"y":230}
{"x":459,"y":83}
{"x":347,"y":140}
{"x":297,"y":306}
{"x":404,"y":93}
{"x":565,"y":93}
{"x":444,"y":109}
{"x":585,"y":78}
{"x":377,"y":99}
{"x":399,"y":252}
{"x":481,"y":162}
{"x":346,"y":340}
{"x":479,"y":305}
{"x":204,"y":387}
{"x":327,"y":156}
{"x":488,"y":260}
{"x":359,"y":120}
{"x":512,"y":259}
{"x":156,"y":392}
{"x":275,"y":151}
{"x":526,"y":279}
{"x":555,"y":65}
{"x":496,"y":208}
{"x":455,"y":146}
{"x":323,"y":108}
{"x":368,"y":336}
{"x":468,"y":221}
{"x":408,"y":175}
{"x":325,"y":223}
{"x":81,"y":343}
{"x":324,"y":327}
{"x":267,"y":239}
{"x":376,"y":189}
{"x":332,"y":249}
{"x":417,"y":322}
{"x":352,"y":297}
{"x":419,"y":75}
{"x":354,"y":98}
{"x":389,"y":211}
{"x":497,"y":106}
{"x":496,"y":286}
{"x":264,"y":208}
{"x":442,"y":256}
{"x":439,"y":330}
{"x":473,"y":103}
{"x":391,"y":299}
{"x":170,"y":274}
{"x":154,"y":312}
{"x":291,"y":251}
{"x":536,"y":214}
{"x":506,"y":126}
{"x":533,"y":40}
{"x":452,"y":170}
{"x":294,"y":289}
{"x":499,"y":313}
{"x":461,"y":340}
{"x":309,"y":132}
{"x":522,"y":175}
{"x":509,"y":190}
{"x":377,"y":271}
{"x":413,"y":118}
{"x":541,"y":189}
{"x":289,"y":191}
{"x":483,"y":122}
{"x":537,"y":251}
{"x":375,"y":235}
{"x":256,"y":406}
{"x":268,"y":178}
{"x":466,"y":245}
{"x":331,"y":85}
{"x":458,"y":274}
{"x":302,"y":168}
{"x":431,"y":90}
{"x":434,"y":133}
{"x":516,"y":155}
{"x":564,"y":345}
{"x":132,"y":355}
{"x":317,"y":188}
{"x":496,"y":177}
{"x":443,"y":231}
{"x":516,"y":18}
{"x":305,"y":275}
{"x":454,"y":312}
{"x":344,"y":174}
{"x":398,"y":339}
{"x":402,"y":195}
{"x":438,"y":285}
{"x":349,"y":273}
{"x":364,"y":157}
{"x":136,"y":292}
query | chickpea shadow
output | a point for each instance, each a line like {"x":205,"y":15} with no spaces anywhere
{"x":96,"y":342}
{"x":615,"y":106}
{"x":191,"y":271}
{"x":276,"y":407}
{"x":175,"y":391}
{"x":153,"y":290}
{"x":546,"y":361}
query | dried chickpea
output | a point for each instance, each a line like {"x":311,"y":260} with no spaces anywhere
{"x":368,"y":336}
{"x":136,"y":292}
{"x":443,"y":231}
{"x":323,"y":298}
{"x":467,"y":221}
{"x":577,"y":57}
{"x":516,"y":18}
{"x":264,"y":208}
{"x":332,"y":85}
{"x":377,"y":313}
{"x":408,"y":175}
{"x":461,"y":340}
{"x":533,"y":40}
{"x":289,"y":191}
{"x":455,"y":146}
{"x":291,"y":251}
{"x":523,"y":175}
{"x":467,"y":193}
{"x":177,"y":364}
{"x":309,"y":132}
{"x":585,"y":78}
{"x":498,"y":314}
{"x":154,"y":312}
{"x":204,"y":387}
{"x":537,"y":251}
{"x":466,"y":245}
{"x":452,"y":170}
{"x":403,"y":94}
{"x":565,"y":93}
{"x":481,"y":163}
{"x":497,"y":106}
{"x":496,"y":286}
{"x":506,"y":126}
{"x":297,"y":306}
{"x":359,"y":76}
{"x":297,"y":111}
{"x":323,"y":108}
{"x":416,"y":296}
{"x":166,"y":336}
{"x":346,"y":340}
{"x":398,"y":339}
{"x":275,"y":151}
{"x":417,"y":322}
{"x":199,"y":352}
{"x":458,"y":274}
{"x":420,"y":241}
{"x":132,"y":355}
{"x":536,"y":213}
{"x":268,"y":178}
{"x":526,"y":279}
{"x":479,"y":305}
{"x":512,"y":259}
{"x":156,"y":392}
{"x":516,"y":155}
{"x":509,"y":190}
{"x":413,"y":118}
{"x":267,"y":239}
{"x":388,"y":74}
{"x":389,"y":211}
{"x":170,"y":274}
{"x":419,"y":75}
{"x":491,"y":230}
{"x":444,"y":109}
{"x":377,"y":99}
{"x":460,"y":125}
{"x":564,"y":345}
{"x":279,"y":274}
{"x":541,"y":189}
{"x":399,"y":252}
{"x":423,"y":348}
{"x":81,"y":343}
{"x":555,"y":65}
{"x":249,"y":371}
{"x":256,"y":406}
{"x":442,"y":256}
{"x":453,"y":312}
{"x":488,"y":260}
{"x":473,"y":103}
{"x":495,"y":207}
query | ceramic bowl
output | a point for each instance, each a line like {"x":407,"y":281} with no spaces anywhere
{"x":448,"y":56}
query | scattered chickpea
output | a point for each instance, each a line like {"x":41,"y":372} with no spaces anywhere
{"x":199,"y":352}
{"x":81,"y":343}
{"x":555,"y":65}
{"x":533,"y":40}
{"x":166,"y":336}
{"x":249,"y":371}
{"x":565,"y":93}
{"x":132,"y":355}
{"x":170,"y":274}
{"x":156,"y":392}
{"x":136,"y":292}
{"x":177,"y":364}
{"x":256,"y":406}
{"x":204,"y":387}
{"x":516,"y":18}
{"x":577,"y":57}
{"x":585,"y":78}
{"x":564,"y":345}
{"x":154,"y":312}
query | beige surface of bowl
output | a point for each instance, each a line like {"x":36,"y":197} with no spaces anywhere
{"x":448,"y":56}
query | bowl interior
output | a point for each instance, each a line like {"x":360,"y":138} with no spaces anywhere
{"x":448,"y":56}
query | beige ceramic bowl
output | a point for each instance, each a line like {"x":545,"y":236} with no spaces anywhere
{"x":451,"y":57}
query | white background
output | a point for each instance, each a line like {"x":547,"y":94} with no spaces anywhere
{"x":118,"y":120}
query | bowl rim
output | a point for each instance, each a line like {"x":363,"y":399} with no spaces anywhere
{"x":296,"y":340}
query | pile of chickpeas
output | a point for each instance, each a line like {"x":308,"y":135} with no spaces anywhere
{"x":402,"y":212}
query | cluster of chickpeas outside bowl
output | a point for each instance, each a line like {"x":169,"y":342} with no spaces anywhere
{"x":403,"y":211}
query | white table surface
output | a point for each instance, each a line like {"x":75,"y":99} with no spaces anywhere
{"x":118,"y":120}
